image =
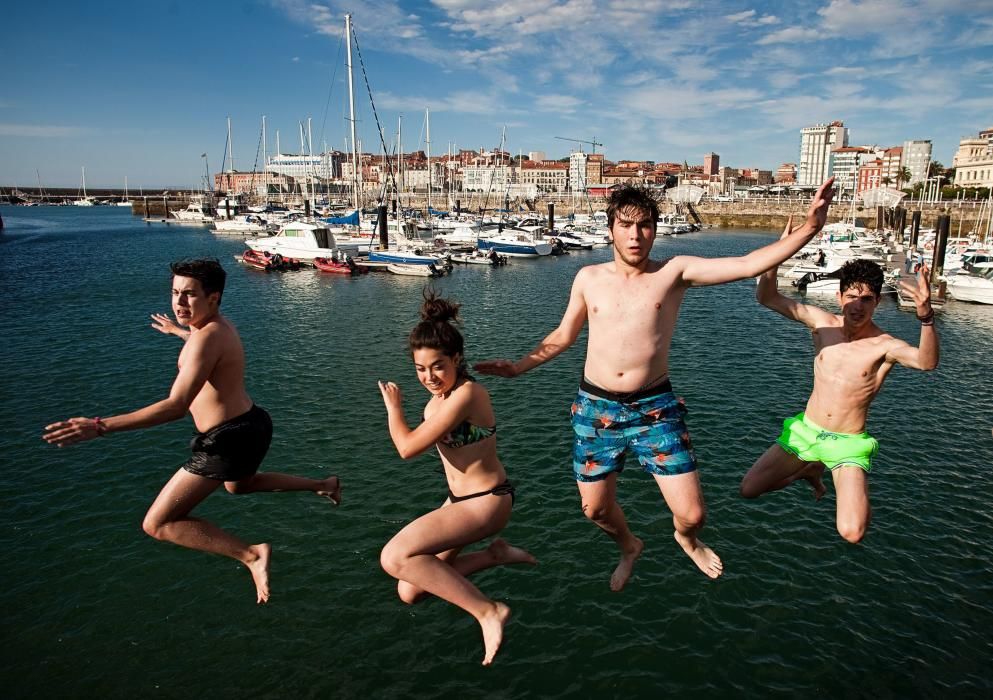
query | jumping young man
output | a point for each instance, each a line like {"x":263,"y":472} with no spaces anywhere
{"x":233,"y":433}
{"x":625,"y":400}
{"x":854,"y":356}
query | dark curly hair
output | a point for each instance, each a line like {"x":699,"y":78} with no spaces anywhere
{"x":437,"y":328}
{"x":632,"y":197}
{"x":864,"y":272}
{"x":207,"y":271}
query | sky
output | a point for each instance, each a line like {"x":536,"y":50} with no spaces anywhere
{"x":143,"y":90}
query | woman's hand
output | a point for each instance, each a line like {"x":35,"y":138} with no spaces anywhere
{"x":391,"y":395}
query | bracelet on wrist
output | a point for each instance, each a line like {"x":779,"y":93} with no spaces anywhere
{"x":928,"y":318}
{"x":100,"y":426}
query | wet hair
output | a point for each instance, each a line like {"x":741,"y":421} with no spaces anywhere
{"x":207,"y":271}
{"x":861,"y":272}
{"x":632,"y":197}
{"x":437,"y":329}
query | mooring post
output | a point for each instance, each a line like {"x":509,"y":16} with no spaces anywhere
{"x":551,"y":216}
{"x":384,"y":236}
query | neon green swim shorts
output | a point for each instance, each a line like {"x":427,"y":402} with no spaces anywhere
{"x":811,"y":443}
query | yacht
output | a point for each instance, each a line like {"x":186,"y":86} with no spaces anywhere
{"x":975,"y":285}
{"x":515,"y":243}
{"x":301,"y":240}
{"x":195,"y":212}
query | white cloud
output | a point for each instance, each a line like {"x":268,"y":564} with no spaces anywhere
{"x":789,"y":35}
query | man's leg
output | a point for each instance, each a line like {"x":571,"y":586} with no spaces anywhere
{"x":777,"y":469}
{"x":168,"y":519}
{"x":600,"y":505}
{"x":684,"y":497}
{"x":329,"y":488}
{"x":851,"y":485}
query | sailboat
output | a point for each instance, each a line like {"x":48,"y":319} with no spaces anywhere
{"x":125,"y":202}
{"x":84,"y":201}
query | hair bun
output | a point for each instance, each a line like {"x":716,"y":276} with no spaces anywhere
{"x":438,"y":310}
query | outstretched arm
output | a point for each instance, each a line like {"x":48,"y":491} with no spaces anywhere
{"x":554,"y":343}
{"x":164,"y":324}
{"x":411,"y":443}
{"x":925,"y":355}
{"x":197,"y":362}
{"x":767,"y":294}
{"x":700,"y":272}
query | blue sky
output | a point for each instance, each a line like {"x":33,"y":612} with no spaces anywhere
{"x":143,"y":89}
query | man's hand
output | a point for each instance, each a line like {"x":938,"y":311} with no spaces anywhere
{"x":920,"y":292}
{"x":817,"y":214}
{"x":499,"y":368}
{"x":164,"y":324}
{"x":70,"y":431}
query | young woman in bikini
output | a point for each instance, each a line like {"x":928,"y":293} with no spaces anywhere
{"x":425,"y":556}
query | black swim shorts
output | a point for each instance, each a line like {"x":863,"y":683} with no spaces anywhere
{"x":233,"y":450}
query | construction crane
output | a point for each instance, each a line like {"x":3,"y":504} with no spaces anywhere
{"x":593,"y":143}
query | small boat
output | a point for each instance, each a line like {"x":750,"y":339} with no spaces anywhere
{"x":341,"y":267}
{"x":262,"y":260}
{"x":478,"y":257}
{"x":516,"y":243}
{"x":414,"y":270}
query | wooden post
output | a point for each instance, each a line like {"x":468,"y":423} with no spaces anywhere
{"x":880,"y":214}
{"x":458,"y":207}
{"x":551,"y":216}
{"x":915,"y":227}
{"x":940,"y":244}
{"x":384,"y":236}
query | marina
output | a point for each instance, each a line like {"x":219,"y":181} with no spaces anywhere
{"x":797,"y":609}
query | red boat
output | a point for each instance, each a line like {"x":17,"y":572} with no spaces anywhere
{"x":263,"y":260}
{"x":342,"y":267}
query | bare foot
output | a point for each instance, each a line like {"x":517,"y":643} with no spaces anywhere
{"x":622,"y":573}
{"x":812,"y":475}
{"x":492,"y":624}
{"x":331,"y":490}
{"x":703,"y":556}
{"x":260,"y":570}
{"x":506,"y":553}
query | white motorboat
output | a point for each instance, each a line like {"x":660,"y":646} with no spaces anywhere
{"x":301,"y":240}
{"x":975,"y":286}
{"x":478,"y":257}
{"x":195,"y":212}
{"x":515,"y":243}
{"x":242,"y":225}
{"x":414,"y":270}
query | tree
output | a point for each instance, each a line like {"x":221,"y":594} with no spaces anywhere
{"x":887,"y":180}
{"x":903,"y":174}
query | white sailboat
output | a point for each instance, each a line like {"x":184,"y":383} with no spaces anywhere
{"x":84,"y":201}
{"x":125,"y":202}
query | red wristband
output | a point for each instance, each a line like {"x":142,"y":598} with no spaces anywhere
{"x":100,"y":426}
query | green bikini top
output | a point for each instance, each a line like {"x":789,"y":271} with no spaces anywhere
{"x":465,"y":434}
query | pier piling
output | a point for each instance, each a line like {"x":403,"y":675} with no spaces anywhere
{"x":940,"y":244}
{"x":384,"y":236}
{"x":915,"y":228}
{"x":551,"y":216}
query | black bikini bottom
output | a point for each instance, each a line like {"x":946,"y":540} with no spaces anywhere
{"x":504,"y":489}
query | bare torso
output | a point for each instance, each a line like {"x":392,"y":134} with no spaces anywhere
{"x":847,"y":376}
{"x":475,"y":467}
{"x":223,"y":395}
{"x":631,"y":321}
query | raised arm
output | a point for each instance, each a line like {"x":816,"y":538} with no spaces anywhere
{"x":554,"y":343}
{"x":925,"y":355}
{"x":701,"y":272}
{"x":767,"y":294}
{"x":164,"y":324}
{"x":196,"y":363}
{"x":411,"y":443}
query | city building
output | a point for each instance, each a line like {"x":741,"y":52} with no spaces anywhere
{"x":254,"y":183}
{"x":785,"y":174}
{"x":892,"y":159}
{"x":816,"y":144}
{"x":845,"y":163}
{"x":973,"y":161}
{"x":917,"y":159}
{"x":594,"y":169}
{"x":577,"y":171}
{"x":323,"y":165}
{"x":870,"y":175}
{"x":711,"y":164}
{"x":545,"y":176}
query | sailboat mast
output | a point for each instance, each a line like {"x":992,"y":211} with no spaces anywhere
{"x":265,"y":163}
{"x":230,"y":149}
{"x":351,"y":114}
{"x":427,"y":144}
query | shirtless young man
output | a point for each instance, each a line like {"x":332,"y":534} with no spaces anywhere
{"x":233,"y":433}
{"x":853,"y":358}
{"x":625,"y":400}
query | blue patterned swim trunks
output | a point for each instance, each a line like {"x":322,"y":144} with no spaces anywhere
{"x":648,"y":423}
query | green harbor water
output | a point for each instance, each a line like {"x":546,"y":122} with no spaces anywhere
{"x":95,"y":608}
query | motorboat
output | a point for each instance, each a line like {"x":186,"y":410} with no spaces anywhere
{"x":515,"y":243}
{"x":194,"y":213}
{"x":242,"y":225}
{"x":975,"y":285}
{"x":300,"y":239}
{"x":478,"y":257}
{"x":262,"y":260}
{"x":414,"y":270}
{"x":342,"y":266}
{"x":408,"y":249}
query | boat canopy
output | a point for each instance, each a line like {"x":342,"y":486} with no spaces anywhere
{"x":685,"y":194}
{"x":881,"y":197}
{"x":349,"y":220}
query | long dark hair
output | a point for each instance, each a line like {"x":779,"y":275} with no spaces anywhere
{"x":437,"y":329}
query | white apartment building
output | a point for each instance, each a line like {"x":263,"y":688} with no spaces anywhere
{"x":973,"y":161}
{"x":845,"y":162}
{"x":816,"y":144}
{"x":323,"y":165}
{"x":487,"y":178}
{"x":577,"y":172}
{"x":917,"y":159}
{"x":545,"y":177}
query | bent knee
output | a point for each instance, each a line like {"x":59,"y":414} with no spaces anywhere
{"x":239,"y":488}
{"x":596,"y":511}
{"x":852,"y":531}
{"x":693,"y":518}
{"x":391,"y":561}
{"x":748,"y":489}
{"x":409,"y":593}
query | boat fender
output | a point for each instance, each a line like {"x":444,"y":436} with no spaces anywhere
{"x":417,"y":251}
